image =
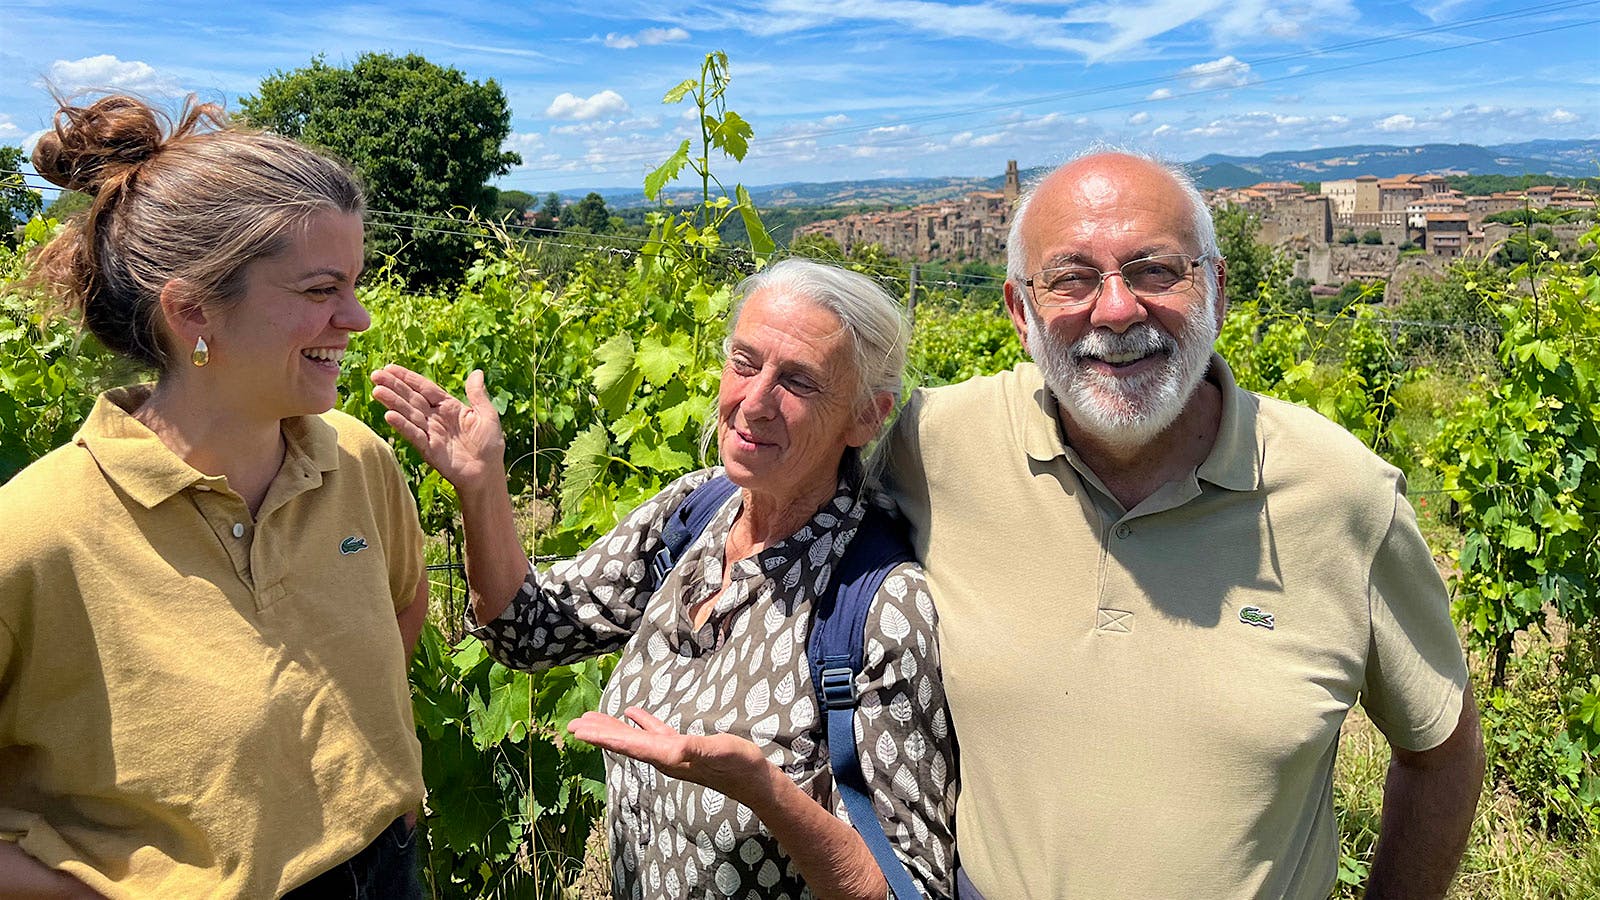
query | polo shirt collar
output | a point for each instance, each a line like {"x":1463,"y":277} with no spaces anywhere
{"x":1234,"y":462}
{"x":312,"y":439}
{"x":1040,"y":419}
{"x":135,"y":459}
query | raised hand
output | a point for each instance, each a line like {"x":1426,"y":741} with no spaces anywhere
{"x":463,"y":441}
{"x":723,"y":762}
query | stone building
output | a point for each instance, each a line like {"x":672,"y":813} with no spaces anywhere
{"x":1299,"y":222}
{"x":971,"y":228}
{"x":1446,"y":234}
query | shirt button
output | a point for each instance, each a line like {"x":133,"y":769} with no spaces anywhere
{"x":1123,"y":530}
{"x":238,"y":530}
{"x":202,"y":487}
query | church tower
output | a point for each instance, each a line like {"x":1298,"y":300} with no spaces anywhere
{"x":1013,"y":186}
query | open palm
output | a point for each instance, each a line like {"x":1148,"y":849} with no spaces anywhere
{"x":463,"y":441}
{"x":726,"y":763}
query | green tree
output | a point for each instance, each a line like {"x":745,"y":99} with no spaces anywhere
{"x":549,"y":214}
{"x":513,"y":204}
{"x":816,"y":246}
{"x":1252,"y":266}
{"x":65,"y":204}
{"x":591,"y":214}
{"x":1351,"y":293}
{"x":1525,"y":245}
{"x":18,"y":202}
{"x":423,"y":137}
{"x":1372,"y":236}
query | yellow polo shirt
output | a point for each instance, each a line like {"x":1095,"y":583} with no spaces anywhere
{"x":195,"y":702}
{"x":1148,"y":701}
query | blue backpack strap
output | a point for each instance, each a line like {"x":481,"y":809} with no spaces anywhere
{"x":685,"y":524}
{"x":836,"y":655}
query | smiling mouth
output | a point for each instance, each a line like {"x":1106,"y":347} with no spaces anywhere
{"x":1124,"y":359}
{"x":1117,"y":352}
{"x":750,"y":439}
{"x":327,"y":355}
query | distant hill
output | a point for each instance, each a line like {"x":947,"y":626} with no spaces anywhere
{"x":877,"y":192}
{"x":1570,"y":158}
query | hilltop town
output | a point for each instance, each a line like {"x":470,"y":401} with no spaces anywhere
{"x":1365,"y":228}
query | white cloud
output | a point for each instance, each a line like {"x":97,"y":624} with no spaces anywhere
{"x":1397,"y":122}
{"x":1227,"y":72}
{"x":1159,"y":94}
{"x":1139,"y":118}
{"x":524,"y":142}
{"x":646,"y":38}
{"x":1092,"y":31}
{"x":8,"y":128}
{"x":806,"y":129}
{"x":1260,"y":125}
{"x":607,"y":126}
{"x":1561,"y":117}
{"x":1162,"y":130}
{"x":571,"y":106}
{"x":106,"y":71}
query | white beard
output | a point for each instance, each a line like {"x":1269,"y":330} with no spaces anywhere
{"x":1124,"y":413}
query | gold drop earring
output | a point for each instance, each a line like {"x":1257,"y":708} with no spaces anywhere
{"x":201,"y":354}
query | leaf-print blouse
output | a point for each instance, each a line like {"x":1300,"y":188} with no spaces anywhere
{"x":743,"y":672}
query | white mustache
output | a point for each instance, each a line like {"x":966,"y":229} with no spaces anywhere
{"x":1142,"y":337}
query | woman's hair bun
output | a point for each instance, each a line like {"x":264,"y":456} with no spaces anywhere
{"x":93,"y":144}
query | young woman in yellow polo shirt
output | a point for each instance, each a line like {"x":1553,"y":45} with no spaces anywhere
{"x":208,"y":596}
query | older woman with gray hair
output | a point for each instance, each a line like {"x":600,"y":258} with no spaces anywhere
{"x":718,"y":776}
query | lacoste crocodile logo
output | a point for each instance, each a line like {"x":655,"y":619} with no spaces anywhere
{"x":354,"y":544}
{"x":1252,"y":615}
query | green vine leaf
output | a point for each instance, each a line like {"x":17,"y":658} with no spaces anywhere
{"x":731,"y":134}
{"x":660,"y":359}
{"x":617,"y":377}
{"x":587,"y":458}
{"x":679,"y":91}
{"x":760,"y":241}
{"x":666,"y":172}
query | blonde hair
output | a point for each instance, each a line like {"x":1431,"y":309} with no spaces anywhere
{"x":196,"y":201}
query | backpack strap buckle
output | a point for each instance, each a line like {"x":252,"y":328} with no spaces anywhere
{"x":838,"y":687}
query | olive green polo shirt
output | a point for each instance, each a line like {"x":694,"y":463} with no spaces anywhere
{"x":1148,"y":701}
{"x":194,"y":701}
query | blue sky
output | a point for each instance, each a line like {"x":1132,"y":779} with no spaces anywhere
{"x":847,"y":89}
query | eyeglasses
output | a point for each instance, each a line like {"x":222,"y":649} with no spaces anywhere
{"x":1152,"y":276}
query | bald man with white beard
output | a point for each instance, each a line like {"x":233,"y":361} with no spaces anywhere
{"x":1160,"y":594}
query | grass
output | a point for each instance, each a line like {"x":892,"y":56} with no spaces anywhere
{"x":1505,"y":858}
{"x":1508,"y":856}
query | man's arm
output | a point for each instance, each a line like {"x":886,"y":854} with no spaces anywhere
{"x":1429,"y":799}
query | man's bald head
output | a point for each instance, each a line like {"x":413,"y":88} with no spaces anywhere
{"x":1096,"y":173}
